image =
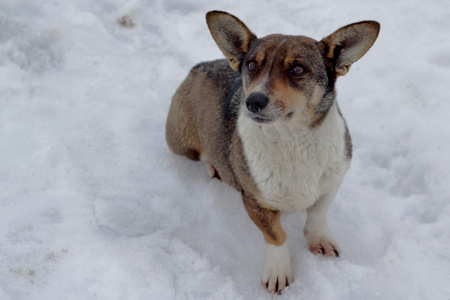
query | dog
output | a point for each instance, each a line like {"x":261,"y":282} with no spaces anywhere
{"x":265,"y":120}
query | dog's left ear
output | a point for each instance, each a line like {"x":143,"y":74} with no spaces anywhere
{"x":348,"y":44}
{"x":231,"y":35}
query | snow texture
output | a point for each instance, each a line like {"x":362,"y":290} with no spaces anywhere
{"x":94,"y":205}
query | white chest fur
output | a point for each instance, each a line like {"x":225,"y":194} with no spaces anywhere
{"x":292,"y":169}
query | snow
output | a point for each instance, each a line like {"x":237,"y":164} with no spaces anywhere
{"x":95,"y":206}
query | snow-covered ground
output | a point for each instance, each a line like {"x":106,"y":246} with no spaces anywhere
{"x":93,"y":205}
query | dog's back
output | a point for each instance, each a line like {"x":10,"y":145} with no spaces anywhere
{"x":202,"y":116}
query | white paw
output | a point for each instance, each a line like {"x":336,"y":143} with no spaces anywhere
{"x":210,"y":169}
{"x":326,"y":246}
{"x":212,"y":172}
{"x":320,"y":239}
{"x":277,"y":272}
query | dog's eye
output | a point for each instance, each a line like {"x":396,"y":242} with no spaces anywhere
{"x":297,"y":70}
{"x":251,"y":65}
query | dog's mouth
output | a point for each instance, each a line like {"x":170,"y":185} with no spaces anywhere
{"x":261,"y":120}
{"x":258,"y":118}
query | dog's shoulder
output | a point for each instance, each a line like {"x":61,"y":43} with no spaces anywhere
{"x":226,"y":82}
{"x":218,"y":71}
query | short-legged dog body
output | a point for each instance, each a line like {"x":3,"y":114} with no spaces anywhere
{"x":270,"y":127}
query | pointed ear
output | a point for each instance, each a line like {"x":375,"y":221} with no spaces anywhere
{"x":231,"y":35}
{"x":348,"y":44}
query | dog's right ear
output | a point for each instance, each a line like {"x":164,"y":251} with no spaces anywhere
{"x":231,"y":35}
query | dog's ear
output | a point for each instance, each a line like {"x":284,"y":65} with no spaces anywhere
{"x":348,"y":44}
{"x":231,"y":35}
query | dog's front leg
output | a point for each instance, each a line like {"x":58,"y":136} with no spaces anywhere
{"x":316,"y":229}
{"x":277,"y":272}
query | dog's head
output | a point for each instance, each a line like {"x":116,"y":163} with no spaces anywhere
{"x":289,"y":78}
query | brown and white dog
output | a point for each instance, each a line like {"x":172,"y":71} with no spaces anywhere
{"x":270,"y":127}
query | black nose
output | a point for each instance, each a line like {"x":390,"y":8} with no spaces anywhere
{"x":256,"y":102}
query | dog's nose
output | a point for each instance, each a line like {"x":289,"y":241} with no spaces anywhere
{"x":256,"y":102}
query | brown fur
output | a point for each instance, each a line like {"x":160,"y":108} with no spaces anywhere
{"x":202,"y":117}
{"x":267,"y":220}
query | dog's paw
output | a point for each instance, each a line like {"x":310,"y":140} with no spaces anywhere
{"x":324,"y":246}
{"x":212,"y":172}
{"x":277,"y":272}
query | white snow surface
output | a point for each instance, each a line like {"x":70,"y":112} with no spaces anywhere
{"x":94,"y":205}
